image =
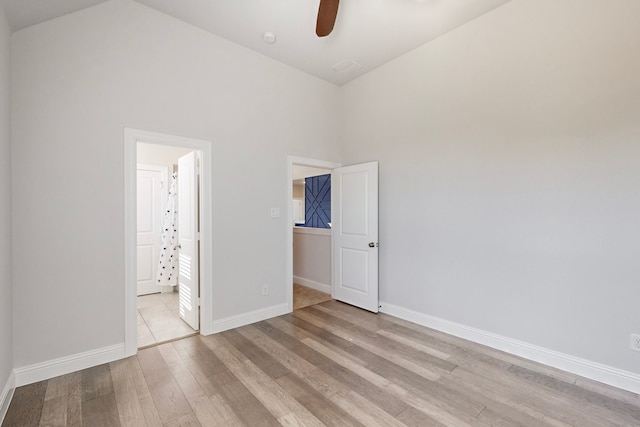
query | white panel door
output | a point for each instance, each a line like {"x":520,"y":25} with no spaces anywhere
{"x":189,"y":272}
{"x":354,"y":232}
{"x":151,"y":199}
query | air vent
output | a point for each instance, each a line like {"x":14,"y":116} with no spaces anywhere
{"x":346,"y":66}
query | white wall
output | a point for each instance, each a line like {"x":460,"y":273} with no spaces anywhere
{"x":6,"y":310}
{"x":160,"y":155}
{"x":510,"y":175}
{"x":79,"y":81}
{"x":312,"y":257}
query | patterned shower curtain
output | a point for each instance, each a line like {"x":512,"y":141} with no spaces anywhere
{"x":168,"y":262}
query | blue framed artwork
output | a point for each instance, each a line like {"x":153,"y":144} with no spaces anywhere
{"x":317,"y":201}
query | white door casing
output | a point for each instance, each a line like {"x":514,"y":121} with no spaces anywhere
{"x":354,"y":234}
{"x":151,"y":200}
{"x":188,"y":268}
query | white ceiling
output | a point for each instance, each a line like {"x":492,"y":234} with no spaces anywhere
{"x":367,"y":32}
{"x":24,"y":13}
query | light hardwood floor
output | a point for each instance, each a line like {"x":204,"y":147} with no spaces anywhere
{"x":329,"y":364}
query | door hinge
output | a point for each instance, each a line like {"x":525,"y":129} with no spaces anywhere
{"x":197,"y":235}
{"x":198,"y":301}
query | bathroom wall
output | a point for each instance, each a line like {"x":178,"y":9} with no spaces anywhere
{"x":152,"y":154}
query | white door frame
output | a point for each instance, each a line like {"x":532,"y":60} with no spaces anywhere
{"x":131,"y":139}
{"x":298,"y":161}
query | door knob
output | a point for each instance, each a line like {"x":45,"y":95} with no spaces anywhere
{"x":372,"y":245}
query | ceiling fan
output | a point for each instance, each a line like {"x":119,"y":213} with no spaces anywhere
{"x":326,"y":17}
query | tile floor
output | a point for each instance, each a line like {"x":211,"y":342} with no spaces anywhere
{"x":158,"y":319}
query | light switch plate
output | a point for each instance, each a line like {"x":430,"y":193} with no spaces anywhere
{"x":275,"y":212}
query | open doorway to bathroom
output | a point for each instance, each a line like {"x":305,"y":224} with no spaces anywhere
{"x":199,"y":306}
{"x":168,"y":218}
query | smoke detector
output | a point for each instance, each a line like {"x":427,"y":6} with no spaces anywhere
{"x":269,"y":37}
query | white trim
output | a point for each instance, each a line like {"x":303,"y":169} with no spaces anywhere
{"x":312,"y":284}
{"x":131,"y":138}
{"x":7,"y":395}
{"x":299,"y":161}
{"x":575,"y":365}
{"x":64,"y":365}
{"x":243,"y":319}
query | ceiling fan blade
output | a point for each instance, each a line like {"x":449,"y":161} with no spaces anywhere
{"x":327,"y":13}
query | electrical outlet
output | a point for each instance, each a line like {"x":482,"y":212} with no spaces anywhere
{"x":265,"y":289}
{"x":635,"y":342}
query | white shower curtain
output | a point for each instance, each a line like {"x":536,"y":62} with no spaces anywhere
{"x":168,"y":262}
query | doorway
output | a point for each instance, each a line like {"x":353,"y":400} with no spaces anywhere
{"x":318,"y":240}
{"x":354,"y":231}
{"x":167,"y":217}
{"x":311,"y":236}
{"x":193,"y":299}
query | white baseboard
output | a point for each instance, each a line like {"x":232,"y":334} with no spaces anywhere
{"x":312,"y":284}
{"x":575,"y":365}
{"x":243,"y":319}
{"x":7,"y":394}
{"x":64,"y":365}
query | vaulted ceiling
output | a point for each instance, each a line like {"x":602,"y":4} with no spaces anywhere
{"x":367,"y":33}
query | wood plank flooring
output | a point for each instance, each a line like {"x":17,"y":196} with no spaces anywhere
{"x":329,"y":364}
